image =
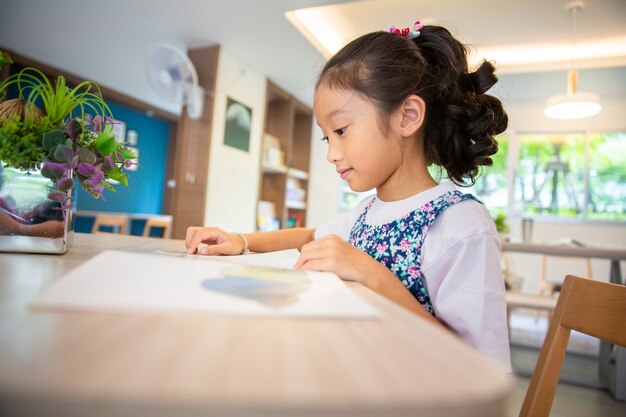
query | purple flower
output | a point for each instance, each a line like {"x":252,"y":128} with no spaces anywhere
{"x":97,"y":191}
{"x":99,"y":124}
{"x":57,"y":196}
{"x":67,"y":205}
{"x":73,"y":129}
{"x":86,"y":169}
{"x":97,"y":177}
{"x":108,"y":163}
{"x":74,"y":161}
{"x":65,"y":184}
{"x":53,"y":170}
{"x":95,"y":180}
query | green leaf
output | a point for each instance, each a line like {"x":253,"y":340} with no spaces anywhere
{"x":53,"y":138}
{"x":63,"y":153}
{"x":105,"y":144}
{"x":117,"y":175}
{"x":127,"y":153}
{"x":109,"y":187}
{"x":85,"y":155}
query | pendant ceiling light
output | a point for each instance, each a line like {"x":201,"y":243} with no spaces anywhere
{"x":573,"y":104}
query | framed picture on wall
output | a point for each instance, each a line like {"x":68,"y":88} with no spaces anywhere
{"x":119,"y":130}
{"x":238,"y":121}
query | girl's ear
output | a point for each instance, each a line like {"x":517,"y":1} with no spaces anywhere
{"x":412,"y":114}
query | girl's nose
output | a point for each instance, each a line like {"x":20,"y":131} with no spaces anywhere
{"x":333,"y":154}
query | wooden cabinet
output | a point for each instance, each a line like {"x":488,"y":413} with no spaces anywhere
{"x":285,"y":160}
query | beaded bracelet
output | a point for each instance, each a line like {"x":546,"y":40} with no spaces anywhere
{"x":245,"y":250}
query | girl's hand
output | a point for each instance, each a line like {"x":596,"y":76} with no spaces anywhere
{"x":218,"y":241}
{"x":333,"y":254}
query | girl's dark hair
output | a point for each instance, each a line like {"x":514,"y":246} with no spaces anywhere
{"x":461,"y":120}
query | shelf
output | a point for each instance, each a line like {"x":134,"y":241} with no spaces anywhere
{"x":295,"y":205}
{"x":286,"y":137}
{"x":274,"y":169}
{"x":298,"y":173}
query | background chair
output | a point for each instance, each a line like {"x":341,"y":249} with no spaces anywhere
{"x":160,"y":223}
{"x":118,"y":223}
{"x":546,"y":286}
{"x":591,"y":307}
{"x":550,"y":288}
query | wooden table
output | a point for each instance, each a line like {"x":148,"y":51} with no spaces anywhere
{"x":614,"y":255}
{"x":612,"y":373}
{"x":192,"y":364}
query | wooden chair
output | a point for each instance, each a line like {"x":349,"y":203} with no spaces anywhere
{"x":591,"y":307}
{"x":165,"y":224}
{"x":116,"y":221}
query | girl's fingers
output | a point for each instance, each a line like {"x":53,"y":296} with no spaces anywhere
{"x":314,"y":265}
{"x":220,"y":249}
{"x":191,"y":231}
{"x":312,"y":250}
{"x":203,"y":235}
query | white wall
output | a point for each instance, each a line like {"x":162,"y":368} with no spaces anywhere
{"x":108,"y":47}
{"x":524,"y":97}
{"x":324,"y":195}
{"x":233,"y":183}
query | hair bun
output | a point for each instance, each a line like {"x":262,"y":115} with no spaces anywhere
{"x":481,"y":80}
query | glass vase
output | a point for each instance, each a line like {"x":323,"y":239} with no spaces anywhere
{"x":29,"y":220}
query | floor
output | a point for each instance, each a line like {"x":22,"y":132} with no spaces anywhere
{"x":581,"y":367}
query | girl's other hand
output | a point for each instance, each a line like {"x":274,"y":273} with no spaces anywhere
{"x":333,"y":254}
{"x":217,"y":241}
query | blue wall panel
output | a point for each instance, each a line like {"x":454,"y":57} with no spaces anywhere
{"x":146,"y":185}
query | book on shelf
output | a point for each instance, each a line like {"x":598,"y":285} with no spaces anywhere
{"x":267,"y":220}
{"x":294,"y":219}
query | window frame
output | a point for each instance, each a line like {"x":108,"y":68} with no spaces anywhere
{"x":512,"y":169}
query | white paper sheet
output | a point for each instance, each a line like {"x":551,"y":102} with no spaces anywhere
{"x":279,"y":259}
{"x":116,"y":280}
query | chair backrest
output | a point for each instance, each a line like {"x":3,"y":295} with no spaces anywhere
{"x":591,"y":307}
{"x":116,"y":221}
{"x":165,"y":224}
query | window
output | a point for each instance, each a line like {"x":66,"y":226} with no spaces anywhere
{"x":577,"y":176}
{"x":550,"y":176}
{"x":491,"y":186}
{"x":607,"y":176}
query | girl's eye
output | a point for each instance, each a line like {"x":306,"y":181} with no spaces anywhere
{"x":338,"y":132}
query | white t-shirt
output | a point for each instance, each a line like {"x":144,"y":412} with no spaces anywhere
{"x":460,"y":265}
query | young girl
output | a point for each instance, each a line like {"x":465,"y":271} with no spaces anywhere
{"x":390,"y":104}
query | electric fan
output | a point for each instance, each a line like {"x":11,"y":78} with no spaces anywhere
{"x":173,"y":76}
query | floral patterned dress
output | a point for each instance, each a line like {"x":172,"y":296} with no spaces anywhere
{"x":398,"y":244}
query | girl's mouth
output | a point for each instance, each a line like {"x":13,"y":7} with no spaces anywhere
{"x":344,"y":174}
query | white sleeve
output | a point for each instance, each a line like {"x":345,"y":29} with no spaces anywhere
{"x":342,"y":225}
{"x":466,"y":288}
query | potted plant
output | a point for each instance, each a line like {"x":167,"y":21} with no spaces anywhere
{"x":502,"y":227}
{"x":52,"y":136}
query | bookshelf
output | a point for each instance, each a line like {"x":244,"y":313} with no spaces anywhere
{"x":285,"y":161}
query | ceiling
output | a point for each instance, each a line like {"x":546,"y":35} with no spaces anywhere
{"x":107,"y":41}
